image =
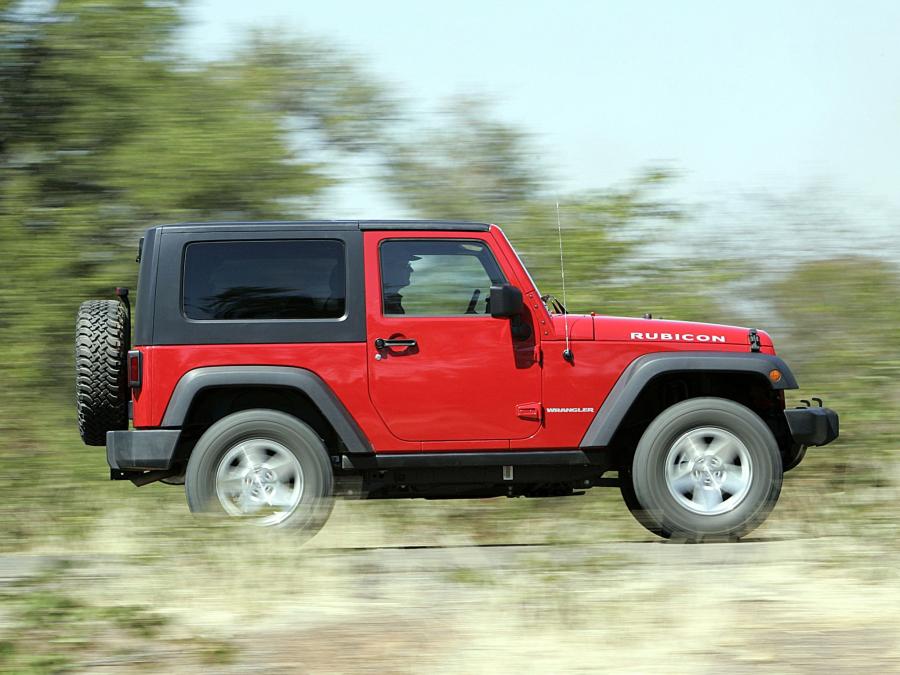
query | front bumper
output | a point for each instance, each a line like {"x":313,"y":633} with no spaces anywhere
{"x":141,"y":449}
{"x":812,"y":426}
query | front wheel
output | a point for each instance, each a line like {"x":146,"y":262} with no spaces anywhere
{"x":265,"y":466}
{"x":705,"y":469}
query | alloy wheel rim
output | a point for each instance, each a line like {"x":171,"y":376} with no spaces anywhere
{"x":259,"y":479}
{"x":709,"y":471}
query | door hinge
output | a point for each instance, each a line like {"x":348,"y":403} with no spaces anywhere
{"x":529,"y":411}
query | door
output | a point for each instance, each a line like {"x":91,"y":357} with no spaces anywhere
{"x":441,"y":368}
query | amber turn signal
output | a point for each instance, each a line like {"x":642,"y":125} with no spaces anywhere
{"x":774,"y":375}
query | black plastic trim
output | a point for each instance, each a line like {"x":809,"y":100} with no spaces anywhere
{"x":435,"y":225}
{"x":141,"y":449}
{"x":159,"y":320}
{"x":171,"y":327}
{"x":194,"y":381}
{"x":335,"y":225}
{"x":643,"y":369}
{"x":281,"y":226}
{"x":455,"y":459}
{"x":813,"y":426}
{"x":146,"y":289}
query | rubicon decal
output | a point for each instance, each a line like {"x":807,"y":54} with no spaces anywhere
{"x":679,"y":337}
{"x":570,"y":410}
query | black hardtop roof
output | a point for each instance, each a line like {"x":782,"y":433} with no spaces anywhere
{"x":288,"y":225}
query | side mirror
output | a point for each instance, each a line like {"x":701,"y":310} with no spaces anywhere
{"x":506,"y":301}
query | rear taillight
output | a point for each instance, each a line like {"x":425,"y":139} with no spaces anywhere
{"x":135,"y":365}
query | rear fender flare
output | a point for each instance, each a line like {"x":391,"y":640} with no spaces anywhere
{"x":305,"y":381}
{"x":645,"y":368}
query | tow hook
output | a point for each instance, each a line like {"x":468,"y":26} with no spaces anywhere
{"x":812,"y":424}
{"x":817,"y":400}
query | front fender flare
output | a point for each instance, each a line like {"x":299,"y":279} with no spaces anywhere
{"x":305,"y":381}
{"x":644,"y":368}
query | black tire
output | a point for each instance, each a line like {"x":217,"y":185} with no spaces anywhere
{"x":101,"y":385}
{"x":657,"y":506}
{"x":792,"y":457}
{"x":626,"y":487}
{"x":270,"y":426}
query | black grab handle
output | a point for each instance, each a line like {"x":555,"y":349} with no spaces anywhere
{"x":381,"y":343}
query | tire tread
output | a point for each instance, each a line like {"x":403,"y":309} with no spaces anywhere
{"x":101,"y":386}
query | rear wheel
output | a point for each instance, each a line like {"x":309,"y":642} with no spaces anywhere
{"x":101,"y":387}
{"x":705,"y":469}
{"x":265,"y":466}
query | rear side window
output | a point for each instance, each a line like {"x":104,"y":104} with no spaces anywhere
{"x":258,"y":280}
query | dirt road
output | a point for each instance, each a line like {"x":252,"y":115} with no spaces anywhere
{"x":637,"y":605}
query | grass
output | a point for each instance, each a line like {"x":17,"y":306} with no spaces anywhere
{"x":55,"y":625}
{"x":630,"y":615}
{"x":124,"y":579}
{"x":155,"y":590}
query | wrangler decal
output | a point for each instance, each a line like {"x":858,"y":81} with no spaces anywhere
{"x":570,"y":410}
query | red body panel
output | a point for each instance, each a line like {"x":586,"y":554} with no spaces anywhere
{"x":341,"y":366}
{"x":467,"y":375}
{"x":584,"y":385}
{"x":703,"y":336}
{"x":468,"y":385}
{"x":579,"y":327}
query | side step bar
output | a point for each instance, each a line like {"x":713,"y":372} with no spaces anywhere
{"x":448,"y":459}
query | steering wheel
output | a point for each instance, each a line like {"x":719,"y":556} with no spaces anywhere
{"x":474,"y":301}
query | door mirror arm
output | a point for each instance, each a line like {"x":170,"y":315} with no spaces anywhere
{"x":506,"y":302}
{"x":521,"y":329}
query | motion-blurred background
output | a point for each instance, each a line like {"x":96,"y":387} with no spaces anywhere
{"x":711,"y":162}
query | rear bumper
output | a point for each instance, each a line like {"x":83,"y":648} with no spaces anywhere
{"x":812,"y":426}
{"x":141,"y":449}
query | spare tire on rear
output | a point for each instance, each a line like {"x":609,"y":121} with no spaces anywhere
{"x":101,"y":385}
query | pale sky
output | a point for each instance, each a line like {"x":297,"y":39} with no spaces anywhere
{"x":737,"y":97}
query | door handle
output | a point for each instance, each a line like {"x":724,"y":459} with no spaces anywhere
{"x":381,"y":343}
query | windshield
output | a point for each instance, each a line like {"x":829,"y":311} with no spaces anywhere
{"x":521,"y":264}
{"x":553,"y":305}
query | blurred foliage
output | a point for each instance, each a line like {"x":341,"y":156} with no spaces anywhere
{"x":474,"y":167}
{"x":841,"y":320}
{"x":59,"y":628}
{"x":106,"y":127}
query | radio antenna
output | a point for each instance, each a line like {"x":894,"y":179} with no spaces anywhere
{"x":567,"y":354}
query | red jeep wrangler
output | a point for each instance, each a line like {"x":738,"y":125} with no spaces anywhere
{"x":276,"y":365}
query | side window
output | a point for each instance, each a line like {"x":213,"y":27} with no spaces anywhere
{"x":435,"y":277}
{"x":258,"y":280}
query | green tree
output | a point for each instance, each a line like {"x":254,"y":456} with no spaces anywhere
{"x":839,"y":334}
{"x":106,"y":128}
{"x":475,"y":167}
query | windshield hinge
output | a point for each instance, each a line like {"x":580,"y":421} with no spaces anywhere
{"x":754,"y":341}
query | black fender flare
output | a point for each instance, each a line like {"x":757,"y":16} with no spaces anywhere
{"x":645,"y":368}
{"x":301,"y":379}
